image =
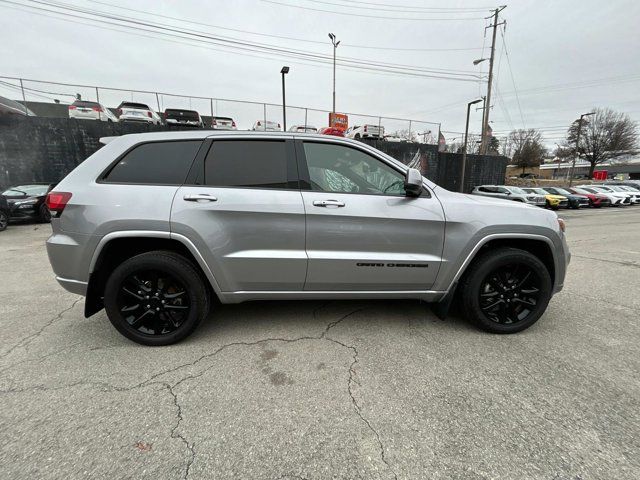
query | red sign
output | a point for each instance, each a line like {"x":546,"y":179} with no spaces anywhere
{"x":600,"y":175}
{"x":339,"y":120}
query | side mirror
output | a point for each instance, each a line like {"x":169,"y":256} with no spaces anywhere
{"x":413,"y":183}
{"x":508,"y":192}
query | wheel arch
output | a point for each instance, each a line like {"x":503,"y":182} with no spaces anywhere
{"x":539,"y":245}
{"x":117,"y":247}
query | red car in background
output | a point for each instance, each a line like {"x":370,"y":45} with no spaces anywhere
{"x":336,"y":132}
{"x":595,"y":200}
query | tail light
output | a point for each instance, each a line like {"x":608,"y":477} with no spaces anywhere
{"x":72,"y":107}
{"x":96,"y":109}
{"x":213,"y":122}
{"x":233,"y":123}
{"x":149,"y":114}
{"x":278,"y":125}
{"x":56,"y":201}
{"x":365,"y":128}
{"x":259,"y":123}
{"x":119,"y":111}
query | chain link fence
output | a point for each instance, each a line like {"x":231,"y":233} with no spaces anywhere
{"x":51,"y":99}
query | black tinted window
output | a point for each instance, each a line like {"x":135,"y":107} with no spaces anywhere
{"x":164,"y":163}
{"x":247,"y":163}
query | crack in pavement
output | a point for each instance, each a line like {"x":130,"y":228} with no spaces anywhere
{"x":29,"y":338}
{"x":616,"y":262}
{"x":40,"y":359}
{"x":170,"y":388}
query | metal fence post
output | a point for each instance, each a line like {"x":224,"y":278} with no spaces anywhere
{"x":379,"y":125}
{"x":97,"y":96}
{"x":158,"y":101}
{"x":305,"y":118}
{"x":410,"y":139}
{"x":264,"y":107}
{"x":24,"y":98}
{"x":211,"y":100}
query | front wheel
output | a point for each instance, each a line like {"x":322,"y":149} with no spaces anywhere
{"x":156,"y":298}
{"x":505,"y":290}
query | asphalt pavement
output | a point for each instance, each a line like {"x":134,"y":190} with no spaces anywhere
{"x":318,"y":390}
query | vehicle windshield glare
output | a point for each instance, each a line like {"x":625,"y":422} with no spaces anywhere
{"x":28,"y":190}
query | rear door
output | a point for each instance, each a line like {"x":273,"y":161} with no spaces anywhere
{"x":363,"y":232}
{"x":243,"y":210}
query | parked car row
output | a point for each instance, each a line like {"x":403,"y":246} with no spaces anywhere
{"x":554,"y":198}
{"x":25,"y":202}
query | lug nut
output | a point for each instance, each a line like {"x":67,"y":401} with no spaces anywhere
{"x":148,"y":306}
{"x":157,"y":309}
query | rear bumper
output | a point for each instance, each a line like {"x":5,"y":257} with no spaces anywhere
{"x":73,"y":286}
{"x":70,"y":256}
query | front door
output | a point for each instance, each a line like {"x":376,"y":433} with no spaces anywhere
{"x":363,"y":232}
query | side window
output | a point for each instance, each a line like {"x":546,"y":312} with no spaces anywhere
{"x":160,"y":163}
{"x":247,"y":163}
{"x":502,"y":190}
{"x":340,"y":169}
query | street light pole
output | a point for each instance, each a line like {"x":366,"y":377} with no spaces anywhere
{"x":335,"y":47}
{"x":464,"y":148}
{"x":284,"y":71}
{"x":573,"y":164}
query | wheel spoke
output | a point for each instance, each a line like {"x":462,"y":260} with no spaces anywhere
{"x":531,"y":303}
{"x":171,"y":296}
{"x":176,"y":307}
{"x":138,"y":321}
{"x":131,"y":308}
{"x":134,"y":295}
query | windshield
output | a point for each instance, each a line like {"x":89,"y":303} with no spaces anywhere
{"x":517,"y":191}
{"x":28,"y":190}
{"x":562,"y":191}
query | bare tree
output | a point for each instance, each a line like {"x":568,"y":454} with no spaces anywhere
{"x":606,"y":135}
{"x":526,"y":148}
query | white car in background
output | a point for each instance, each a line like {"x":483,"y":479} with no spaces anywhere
{"x":303,"y":129}
{"x":266,"y":126}
{"x":617,"y":199}
{"x":365,"y":131}
{"x":223,"y":123}
{"x":137,"y":112}
{"x":83,"y":110}
{"x":633,"y":194}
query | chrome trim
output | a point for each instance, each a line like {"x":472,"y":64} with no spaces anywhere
{"x":243,"y":296}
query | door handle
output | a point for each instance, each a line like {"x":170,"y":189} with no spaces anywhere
{"x":200,"y":197}
{"x":328,"y":203}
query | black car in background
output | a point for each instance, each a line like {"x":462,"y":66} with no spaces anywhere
{"x":575,"y":200}
{"x":182,"y":118}
{"x":4,"y":213}
{"x":27,"y":202}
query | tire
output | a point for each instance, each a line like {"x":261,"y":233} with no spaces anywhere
{"x":44,"y":215}
{"x":178,"y":305}
{"x":4,"y":221}
{"x":476,"y":289}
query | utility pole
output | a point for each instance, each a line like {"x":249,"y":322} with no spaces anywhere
{"x":464,"y":149}
{"x":573,"y":164}
{"x":485,"y":120}
{"x":335,"y":47}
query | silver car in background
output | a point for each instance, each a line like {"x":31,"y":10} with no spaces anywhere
{"x":153,"y":227}
{"x":507,"y":192}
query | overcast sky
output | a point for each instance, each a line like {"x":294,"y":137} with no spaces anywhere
{"x":549,"y":43}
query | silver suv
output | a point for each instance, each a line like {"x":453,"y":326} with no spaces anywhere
{"x":154,"y":227}
{"x":509,"y":193}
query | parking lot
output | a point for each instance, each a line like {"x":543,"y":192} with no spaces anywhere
{"x":290,"y":390}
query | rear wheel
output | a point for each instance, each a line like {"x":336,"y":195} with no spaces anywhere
{"x":4,"y":221}
{"x":506,"y":290}
{"x":156,"y":298}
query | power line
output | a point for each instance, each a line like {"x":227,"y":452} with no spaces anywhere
{"x":436,"y":9}
{"x":369,"y":16}
{"x":513,"y":81}
{"x":237,"y":44}
{"x":398,"y":9}
{"x":284,"y":37}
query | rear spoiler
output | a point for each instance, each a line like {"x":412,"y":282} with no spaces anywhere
{"x":105,"y":140}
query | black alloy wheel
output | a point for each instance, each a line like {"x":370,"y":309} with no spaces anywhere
{"x":4,"y":221}
{"x":510,"y":293}
{"x":156,"y":298}
{"x":153,"y":302}
{"x":44,"y":216}
{"x":505,"y":290}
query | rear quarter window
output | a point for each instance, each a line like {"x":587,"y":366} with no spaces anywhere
{"x":159,"y":163}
